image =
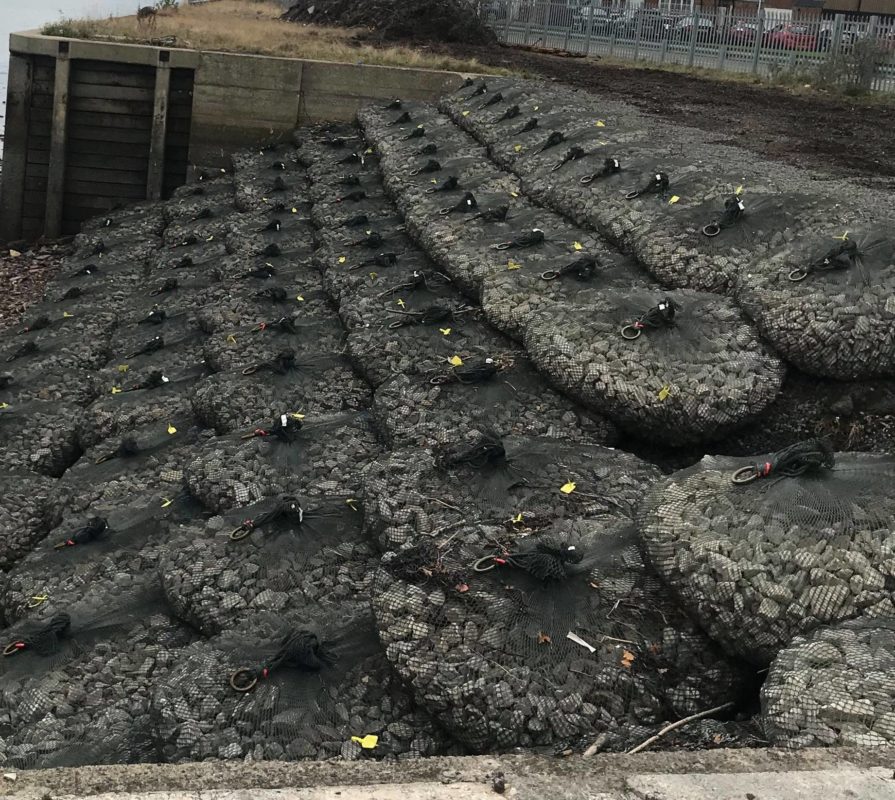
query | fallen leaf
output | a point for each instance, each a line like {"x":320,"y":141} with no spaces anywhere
{"x":627,"y":659}
{"x":664,"y":392}
{"x":513,"y":265}
{"x":14,"y":253}
{"x":455,"y":361}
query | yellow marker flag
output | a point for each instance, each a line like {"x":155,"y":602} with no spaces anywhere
{"x":14,"y":253}
{"x":400,"y":302}
{"x":368,"y":742}
{"x":465,"y":113}
{"x":514,"y":194}
{"x":352,"y":503}
{"x":369,"y":150}
{"x":66,"y":315}
{"x":536,"y":108}
{"x":299,"y":298}
{"x":166,"y":502}
{"x":673,"y":200}
{"x":123,"y":368}
{"x":739,"y":189}
{"x":231,"y":339}
{"x":568,"y":488}
{"x":578,"y":245}
{"x":116,"y":390}
{"x":842,"y":238}
{"x":517,"y":519}
{"x":517,"y":148}
{"x":445,"y":331}
{"x":297,"y":415}
{"x":294,"y":210}
{"x":664,"y":392}
{"x":374,"y":276}
{"x":4,"y":405}
{"x":513,"y":265}
{"x":342,"y":259}
{"x":455,"y":361}
{"x":600,"y":124}
{"x":171,"y":429}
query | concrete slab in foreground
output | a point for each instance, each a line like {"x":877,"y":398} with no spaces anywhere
{"x":836,"y":774}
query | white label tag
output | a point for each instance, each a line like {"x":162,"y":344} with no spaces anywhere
{"x":284,"y":420}
{"x":578,"y":640}
{"x":164,"y":379}
{"x":741,"y":206}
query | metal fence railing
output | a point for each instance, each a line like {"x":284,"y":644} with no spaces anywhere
{"x":850,"y":52}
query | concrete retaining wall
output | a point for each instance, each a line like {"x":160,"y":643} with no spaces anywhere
{"x":238,"y":101}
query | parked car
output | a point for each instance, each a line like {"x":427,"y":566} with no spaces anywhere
{"x":847,"y":38}
{"x":742,"y":33}
{"x":684,"y":28}
{"x":790,"y":36}
{"x":649,"y":21}
{"x":601,"y":20}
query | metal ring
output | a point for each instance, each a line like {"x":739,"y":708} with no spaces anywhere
{"x":440,"y":380}
{"x":712,"y":229}
{"x":251,"y":370}
{"x":633,"y":195}
{"x":558,"y":167}
{"x":477,"y":567}
{"x":588,"y":179}
{"x":798,"y":275}
{"x":398,"y":323}
{"x":104,"y":459}
{"x":744,"y":475}
{"x":446,"y":211}
{"x":637,"y":332}
{"x":240,"y":533}
{"x":550,"y":275}
{"x":502,"y":246}
{"x":246,"y":687}
{"x":11,"y":649}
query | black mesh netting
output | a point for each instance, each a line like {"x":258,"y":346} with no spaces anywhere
{"x":503,"y":394}
{"x":75,"y":688}
{"x":825,"y":303}
{"x":802,"y":538}
{"x":138,"y":397}
{"x":281,"y":555}
{"x":211,"y":222}
{"x":835,"y":686}
{"x":30,"y":506}
{"x":307,"y":686}
{"x":23,"y":383}
{"x":74,"y":341}
{"x":682,"y":367}
{"x":108,"y":545}
{"x":310,"y":384}
{"x":253,"y":344}
{"x":413,"y":494}
{"x":39,"y":436}
{"x":139,"y":217}
{"x":152,"y":458}
{"x":286,"y":455}
{"x":516,"y":639}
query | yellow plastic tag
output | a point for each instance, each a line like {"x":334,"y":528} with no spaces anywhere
{"x":210,"y":238}
{"x":368,"y":232}
{"x":66,"y":315}
{"x":166,"y":502}
{"x":400,"y":302}
{"x":374,"y":276}
{"x":297,"y":415}
{"x":738,"y":190}
{"x":351,"y":503}
{"x":664,"y":392}
{"x":445,"y":331}
{"x":171,"y":429}
{"x":517,"y":519}
{"x":455,"y":361}
{"x":465,"y":113}
{"x":231,"y":339}
{"x":517,"y":148}
{"x":568,"y":488}
{"x":600,"y":124}
{"x":673,"y":200}
{"x":116,"y":390}
{"x":434,"y":180}
{"x":369,"y":150}
{"x":842,"y":238}
{"x":514,"y":194}
{"x":367,"y":742}
{"x":512,"y":264}
{"x":536,"y":108}
{"x":14,"y":253}
{"x":4,"y":405}
{"x":578,"y":245}
{"x":123,"y":367}
{"x":294,"y":210}
{"x":342,"y":259}
{"x":299,"y":298}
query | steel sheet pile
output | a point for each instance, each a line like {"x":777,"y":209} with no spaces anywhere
{"x":332,"y":454}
